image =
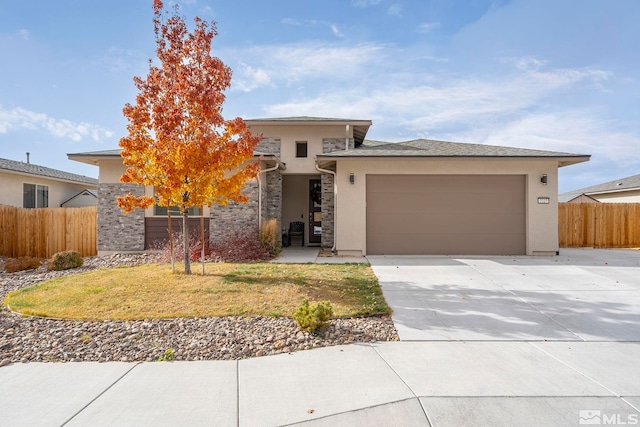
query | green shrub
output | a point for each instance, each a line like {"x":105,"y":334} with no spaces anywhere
{"x":313,"y":318}
{"x":168,"y":356}
{"x":23,"y":263}
{"x":65,"y":260}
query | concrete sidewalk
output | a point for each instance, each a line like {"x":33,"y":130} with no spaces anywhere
{"x":403,"y":384}
{"x":487,"y":341}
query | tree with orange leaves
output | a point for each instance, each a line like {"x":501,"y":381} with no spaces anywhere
{"x":178,"y":142}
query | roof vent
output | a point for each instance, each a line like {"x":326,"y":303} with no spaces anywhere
{"x":27,"y":157}
{"x":619,"y":184}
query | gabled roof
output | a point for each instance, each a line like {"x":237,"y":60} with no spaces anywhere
{"x":360,"y":127}
{"x":32,"y":169}
{"x":629,"y":183}
{"x":86,"y":192}
{"x":432,"y":148}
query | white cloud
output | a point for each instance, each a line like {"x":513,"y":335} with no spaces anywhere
{"x":287,"y":64}
{"x":19,"y":118}
{"x":507,"y":111}
{"x":429,"y":106}
{"x":24,"y":34}
{"x":336,"y":31}
{"x":526,"y":63}
{"x":395,"y":10}
{"x":290,"y":21}
{"x":575,"y":131}
{"x":250,"y":78}
{"x":427,"y":27}
{"x":364,"y":3}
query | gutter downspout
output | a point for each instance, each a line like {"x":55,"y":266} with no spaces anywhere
{"x":335,"y":202}
{"x":260,"y":189}
{"x":346,"y":138}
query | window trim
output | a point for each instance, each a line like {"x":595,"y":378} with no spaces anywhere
{"x":36,"y":189}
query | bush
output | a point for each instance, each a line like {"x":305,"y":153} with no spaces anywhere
{"x":269,"y":235}
{"x":65,"y":260}
{"x":234,"y":246}
{"x":242,"y":246}
{"x":195,"y":248}
{"x":23,"y":263}
{"x":313,"y":318}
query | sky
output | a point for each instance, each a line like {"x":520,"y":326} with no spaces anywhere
{"x":558,"y":75}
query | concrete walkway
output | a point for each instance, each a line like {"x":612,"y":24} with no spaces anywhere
{"x":310,"y":254}
{"x":500,"y":341}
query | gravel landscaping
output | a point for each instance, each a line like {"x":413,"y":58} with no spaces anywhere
{"x":25,"y":339}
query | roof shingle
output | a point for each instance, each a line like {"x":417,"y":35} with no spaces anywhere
{"x":32,"y":169}
{"x":433,"y":148}
{"x":628,"y":183}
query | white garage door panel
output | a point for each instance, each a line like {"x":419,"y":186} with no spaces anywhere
{"x":446,"y":214}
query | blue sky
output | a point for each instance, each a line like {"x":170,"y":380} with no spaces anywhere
{"x":546,"y":74}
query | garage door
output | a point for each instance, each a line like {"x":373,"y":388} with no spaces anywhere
{"x":446,"y":214}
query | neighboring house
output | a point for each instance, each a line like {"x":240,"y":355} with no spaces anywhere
{"x":82,"y":199}
{"x":363,"y":197}
{"x":624,"y":190}
{"x":26,"y":185}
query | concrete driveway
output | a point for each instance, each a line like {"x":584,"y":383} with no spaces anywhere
{"x":581,"y":295}
{"x":518,"y":340}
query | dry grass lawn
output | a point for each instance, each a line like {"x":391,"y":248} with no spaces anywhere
{"x":153,"y":291}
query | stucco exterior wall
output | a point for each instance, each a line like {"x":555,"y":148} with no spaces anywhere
{"x":313,"y":135}
{"x":620,"y":197}
{"x":11,"y":189}
{"x":81,"y":200}
{"x":541,"y":219}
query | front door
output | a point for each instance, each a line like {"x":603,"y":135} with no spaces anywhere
{"x":315,"y":211}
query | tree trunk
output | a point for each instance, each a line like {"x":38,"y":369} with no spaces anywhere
{"x":202,"y":237}
{"x":173,"y":264}
{"x":185,"y":230}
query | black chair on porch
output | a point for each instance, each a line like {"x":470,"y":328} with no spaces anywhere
{"x":296,"y":229}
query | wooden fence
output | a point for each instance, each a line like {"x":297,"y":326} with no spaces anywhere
{"x":43,"y":232}
{"x":599,"y":225}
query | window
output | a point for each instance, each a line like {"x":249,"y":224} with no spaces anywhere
{"x":301,"y":148}
{"x":162,"y":211}
{"x":42,"y":196}
{"x":35,"y":196}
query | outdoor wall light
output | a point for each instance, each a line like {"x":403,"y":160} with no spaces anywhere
{"x":352,"y":179}
{"x":543,"y":180}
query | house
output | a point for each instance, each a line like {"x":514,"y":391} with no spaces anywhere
{"x":83,"y":198}
{"x":361,"y":197}
{"x":624,"y":190}
{"x":26,"y":185}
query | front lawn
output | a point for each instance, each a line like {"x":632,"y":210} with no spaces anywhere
{"x":153,"y":291}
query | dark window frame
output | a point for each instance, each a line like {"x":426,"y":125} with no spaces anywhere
{"x":301,"y":149}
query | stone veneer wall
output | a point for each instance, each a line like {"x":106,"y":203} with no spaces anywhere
{"x":272,"y":196}
{"x":244,"y":215}
{"x":235,"y":216}
{"x":335,"y":144}
{"x":116,"y":231}
{"x":328,"y":197}
{"x":269,"y":145}
{"x":328,"y":205}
